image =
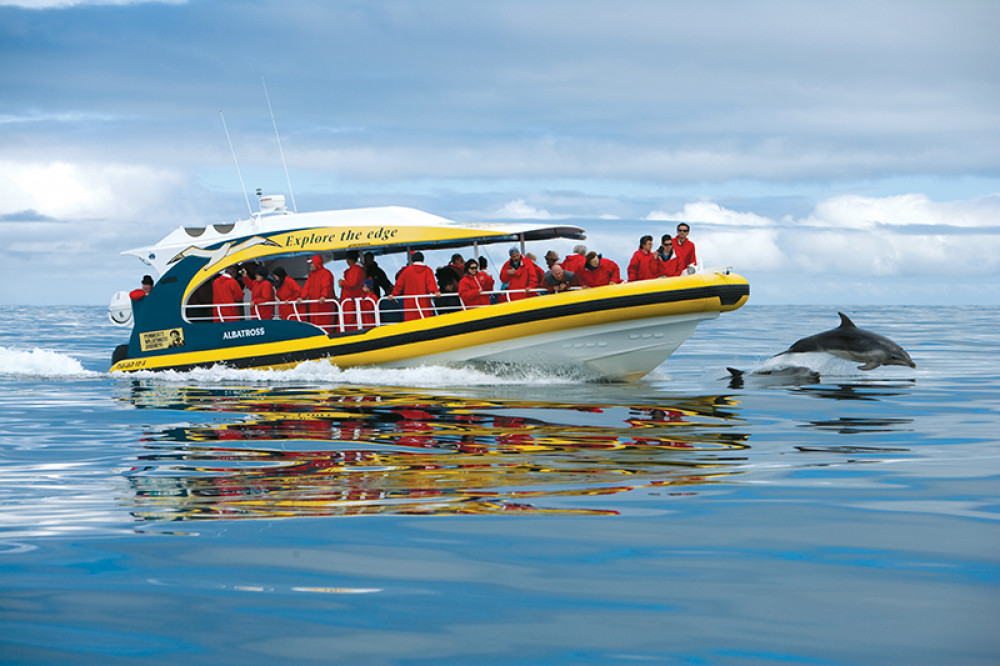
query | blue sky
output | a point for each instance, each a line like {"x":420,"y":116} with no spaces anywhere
{"x":841,"y":153}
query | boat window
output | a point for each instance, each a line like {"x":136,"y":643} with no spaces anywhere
{"x":194,"y":231}
{"x":223,"y":228}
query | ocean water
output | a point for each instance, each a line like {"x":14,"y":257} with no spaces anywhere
{"x":443,"y":515}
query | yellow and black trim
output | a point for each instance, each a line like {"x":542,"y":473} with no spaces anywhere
{"x":707,"y":292}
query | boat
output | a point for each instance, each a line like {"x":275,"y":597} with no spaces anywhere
{"x":618,"y":332}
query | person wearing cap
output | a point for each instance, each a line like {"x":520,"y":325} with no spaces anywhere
{"x":551,"y":258}
{"x":416,"y":281}
{"x":575,"y":262}
{"x":262,"y":295}
{"x":318,"y":291}
{"x":227,"y":296}
{"x":519,"y":275}
{"x":142,"y":292}
{"x":350,"y":290}
{"x":287,"y":292}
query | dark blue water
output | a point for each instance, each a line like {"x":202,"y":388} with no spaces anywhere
{"x":446,"y":515}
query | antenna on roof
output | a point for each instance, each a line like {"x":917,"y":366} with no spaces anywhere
{"x":280,"y":151}
{"x":237,"y":162}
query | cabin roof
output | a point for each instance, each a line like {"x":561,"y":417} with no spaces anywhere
{"x":416,"y":229}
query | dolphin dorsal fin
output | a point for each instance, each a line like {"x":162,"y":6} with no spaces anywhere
{"x":845,"y":321}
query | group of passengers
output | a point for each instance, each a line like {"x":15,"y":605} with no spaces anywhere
{"x":421,"y":291}
{"x":674,"y":256}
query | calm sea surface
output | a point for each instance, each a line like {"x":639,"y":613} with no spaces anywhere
{"x":450,"y":516}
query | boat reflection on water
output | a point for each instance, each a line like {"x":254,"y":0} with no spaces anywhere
{"x":282,"y":452}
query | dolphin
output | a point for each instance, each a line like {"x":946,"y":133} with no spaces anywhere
{"x":849,"y":342}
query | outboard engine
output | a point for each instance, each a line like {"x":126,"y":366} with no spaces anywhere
{"x":120,"y":309}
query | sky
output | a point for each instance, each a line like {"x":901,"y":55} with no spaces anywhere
{"x":843,"y":153}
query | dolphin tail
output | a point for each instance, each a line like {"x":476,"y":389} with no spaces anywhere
{"x":845,"y":321}
{"x":736,"y":380}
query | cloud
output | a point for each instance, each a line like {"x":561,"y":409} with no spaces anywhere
{"x":520,"y":210}
{"x":33,"y":116}
{"x":861,"y":212}
{"x":62,"y":189}
{"x":900,"y":235}
{"x":710,"y":212}
{"x":29,"y":215}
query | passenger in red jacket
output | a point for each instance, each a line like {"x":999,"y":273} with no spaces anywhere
{"x":368,"y":303}
{"x":457,"y":264}
{"x":351,"y":290}
{"x":539,"y":271}
{"x":262,"y":295}
{"x":227,"y":296}
{"x":485,"y":278}
{"x":666,"y":257}
{"x":519,"y":274}
{"x":470,"y":289}
{"x":416,"y":282}
{"x":575,"y":262}
{"x":684,"y":249}
{"x":147,"y":286}
{"x":319,"y":289}
{"x":288,"y":292}
{"x":598,"y":272}
{"x":644,"y":264}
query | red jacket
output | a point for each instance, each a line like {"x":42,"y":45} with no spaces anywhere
{"x":669,"y":267}
{"x":262,"y":291}
{"x":486,"y":280}
{"x":319,"y":284}
{"x":574,"y":263}
{"x":350,"y":286}
{"x":644,"y":266}
{"x":287,"y":293}
{"x":524,"y":277}
{"x":416,"y":280}
{"x":350,"y":292}
{"x":685,"y":255}
{"x":225,"y":292}
{"x":470,"y":290}
{"x":606,"y":273}
{"x":368,"y":305}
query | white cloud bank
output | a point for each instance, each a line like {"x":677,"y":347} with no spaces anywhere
{"x":519,"y":209}
{"x":61,"y":213}
{"x":75,"y":190}
{"x":904,"y":235}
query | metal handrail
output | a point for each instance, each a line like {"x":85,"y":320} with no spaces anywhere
{"x":352,"y":307}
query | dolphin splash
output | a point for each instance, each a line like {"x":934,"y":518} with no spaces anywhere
{"x":849,"y":342}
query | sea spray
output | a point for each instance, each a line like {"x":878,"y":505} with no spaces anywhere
{"x":40,"y":363}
